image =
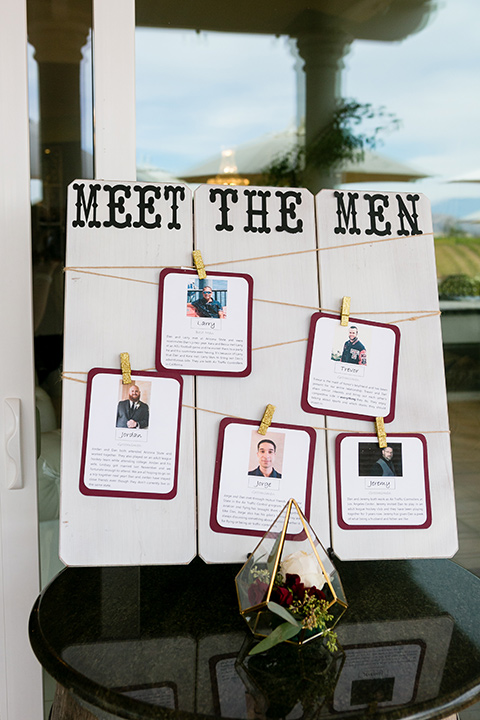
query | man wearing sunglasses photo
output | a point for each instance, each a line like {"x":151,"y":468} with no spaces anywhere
{"x":207,"y":306}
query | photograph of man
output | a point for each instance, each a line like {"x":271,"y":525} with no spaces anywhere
{"x":266,"y":454}
{"x":384,"y":465}
{"x":354,"y":351}
{"x":132,"y":412}
{"x":206,"y":306}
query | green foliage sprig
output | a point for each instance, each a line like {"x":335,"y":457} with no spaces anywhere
{"x":301,"y":608}
{"x":455,"y":286}
{"x":315,"y":617}
{"x":341,"y":140}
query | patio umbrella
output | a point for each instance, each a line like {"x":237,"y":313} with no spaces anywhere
{"x":471,"y":218}
{"x":473,"y":176}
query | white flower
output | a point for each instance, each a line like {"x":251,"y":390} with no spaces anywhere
{"x":306,"y":566}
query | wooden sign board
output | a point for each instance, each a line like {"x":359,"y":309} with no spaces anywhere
{"x":119,"y":236}
{"x":268,"y":233}
{"x":280,"y":262}
{"x":378,"y":249}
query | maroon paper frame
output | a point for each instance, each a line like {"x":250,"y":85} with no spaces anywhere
{"x":214,"y":525}
{"x":214,"y":373}
{"x":308,"y":366}
{"x":118,"y":493}
{"x":338,"y":476}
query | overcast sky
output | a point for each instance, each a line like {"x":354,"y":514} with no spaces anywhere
{"x":199,"y":93}
{"x":431,"y":82}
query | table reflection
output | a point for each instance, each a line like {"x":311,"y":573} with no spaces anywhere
{"x":150,"y":640}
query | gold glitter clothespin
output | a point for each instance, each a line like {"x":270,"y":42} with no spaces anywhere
{"x":198,"y":260}
{"x":126,"y":369}
{"x":381,"y":434}
{"x":345,"y":312}
{"x":266,"y":420}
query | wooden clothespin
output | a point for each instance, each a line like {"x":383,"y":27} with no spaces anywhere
{"x":198,"y":260}
{"x":345,"y":312}
{"x":266,"y":420}
{"x":126,"y":369}
{"x":381,"y":434}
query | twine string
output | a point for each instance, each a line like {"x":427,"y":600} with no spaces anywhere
{"x":66,"y":376}
{"x":86,"y":268}
{"x":418,"y":314}
{"x":91,"y":270}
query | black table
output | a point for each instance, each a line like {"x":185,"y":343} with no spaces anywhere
{"x":168,"y":642}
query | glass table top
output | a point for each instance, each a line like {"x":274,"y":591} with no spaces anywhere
{"x":152,"y":642}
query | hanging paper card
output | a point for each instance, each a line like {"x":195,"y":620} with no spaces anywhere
{"x":131,"y":435}
{"x":255,"y":475}
{"x":205,"y":326}
{"x":382,"y":489}
{"x":351,"y":371}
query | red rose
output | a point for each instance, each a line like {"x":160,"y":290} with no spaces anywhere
{"x":282,"y":596}
{"x":291,"y":580}
{"x":296,"y":586}
{"x":257,"y":592}
{"x":315,"y":592}
{"x":299,"y":591}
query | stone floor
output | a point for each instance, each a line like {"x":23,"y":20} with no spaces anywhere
{"x":465,"y":427}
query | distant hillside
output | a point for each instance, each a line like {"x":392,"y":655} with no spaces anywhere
{"x":447,"y":225}
{"x":457,"y":255}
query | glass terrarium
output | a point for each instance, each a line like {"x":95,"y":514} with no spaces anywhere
{"x":290,"y":569}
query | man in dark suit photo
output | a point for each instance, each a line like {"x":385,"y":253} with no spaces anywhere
{"x":133,"y":413}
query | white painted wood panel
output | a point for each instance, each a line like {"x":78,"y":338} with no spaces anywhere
{"x":20,"y":673}
{"x":396,"y":278}
{"x":114,"y":88}
{"x":277,"y":372}
{"x":105,"y":316}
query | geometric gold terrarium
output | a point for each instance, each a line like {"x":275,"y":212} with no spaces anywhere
{"x":289,"y":559}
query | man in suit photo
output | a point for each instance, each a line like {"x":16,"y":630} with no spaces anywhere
{"x":132,"y":412}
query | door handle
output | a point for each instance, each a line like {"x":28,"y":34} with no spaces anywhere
{"x":13,"y":447}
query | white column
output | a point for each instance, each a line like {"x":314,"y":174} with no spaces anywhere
{"x":322,"y":45}
{"x":114,"y":89}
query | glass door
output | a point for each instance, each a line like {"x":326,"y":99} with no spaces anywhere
{"x":20,"y":677}
{"x":59,"y":57}
{"x":61,"y":82}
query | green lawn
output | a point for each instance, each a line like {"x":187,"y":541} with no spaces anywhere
{"x":457,"y":255}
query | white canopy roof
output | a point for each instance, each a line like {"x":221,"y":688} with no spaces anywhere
{"x":253,"y":157}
